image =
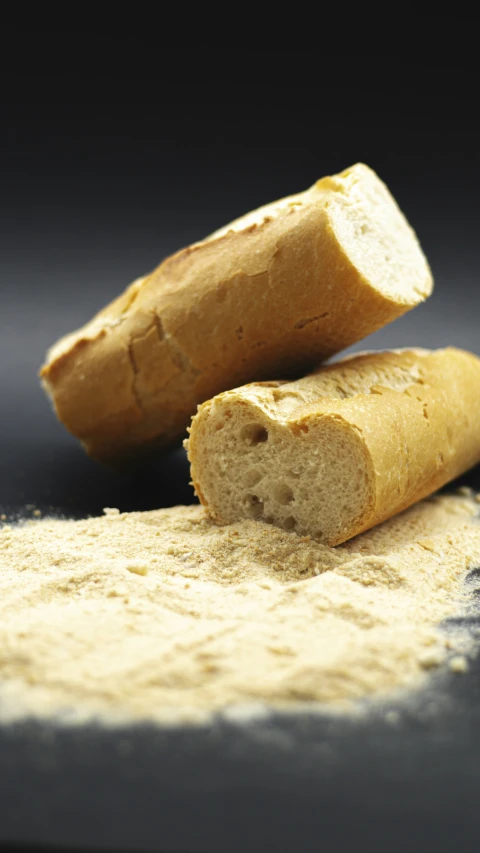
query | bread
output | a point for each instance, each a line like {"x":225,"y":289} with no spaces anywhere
{"x":273,"y":293}
{"x":342,"y":449}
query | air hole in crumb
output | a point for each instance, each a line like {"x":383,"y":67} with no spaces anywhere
{"x":440,"y":459}
{"x":254,"y":434}
{"x":282,"y":494}
{"x":219,"y":425}
{"x":253,"y":506}
{"x":319,"y":534}
{"x":289,"y":522}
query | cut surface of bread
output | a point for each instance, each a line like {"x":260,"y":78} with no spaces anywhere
{"x":336,"y":452}
{"x":273,"y":293}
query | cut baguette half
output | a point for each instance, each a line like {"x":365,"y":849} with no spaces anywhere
{"x":342,"y":449}
{"x":274,"y":292}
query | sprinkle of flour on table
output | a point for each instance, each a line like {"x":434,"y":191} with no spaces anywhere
{"x":165,"y":616}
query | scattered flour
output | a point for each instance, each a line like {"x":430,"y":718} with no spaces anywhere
{"x":165,"y":616}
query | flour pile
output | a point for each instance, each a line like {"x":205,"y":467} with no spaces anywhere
{"x":165,"y":616}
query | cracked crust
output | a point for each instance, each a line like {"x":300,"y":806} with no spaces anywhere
{"x":274,"y":292}
{"x":342,"y":449}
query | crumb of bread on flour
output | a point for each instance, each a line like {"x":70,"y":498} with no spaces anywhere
{"x":459,"y":664}
{"x":164,"y":615}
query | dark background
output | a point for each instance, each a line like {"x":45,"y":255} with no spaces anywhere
{"x":116,"y":152}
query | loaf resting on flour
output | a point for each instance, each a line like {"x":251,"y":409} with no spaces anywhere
{"x":273,"y":293}
{"x":342,"y":449}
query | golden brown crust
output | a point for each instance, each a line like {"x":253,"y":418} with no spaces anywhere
{"x":272,"y":297}
{"x":416,"y":413}
{"x":430,"y":432}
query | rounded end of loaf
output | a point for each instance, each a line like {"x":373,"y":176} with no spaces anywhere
{"x":309,"y":475}
{"x":381,"y":243}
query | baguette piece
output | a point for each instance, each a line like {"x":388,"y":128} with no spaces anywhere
{"x":272,"y":293}
{"x":342,"y":449}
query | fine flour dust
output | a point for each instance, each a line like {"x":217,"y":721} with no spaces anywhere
{"x":165,"y":616}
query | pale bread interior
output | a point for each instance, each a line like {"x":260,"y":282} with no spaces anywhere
{"x":313,"y":478}
{"x":381,"y":243}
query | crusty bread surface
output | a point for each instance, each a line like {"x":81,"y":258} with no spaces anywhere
{"x":342,"y":449}
{"x":270,"y":294}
